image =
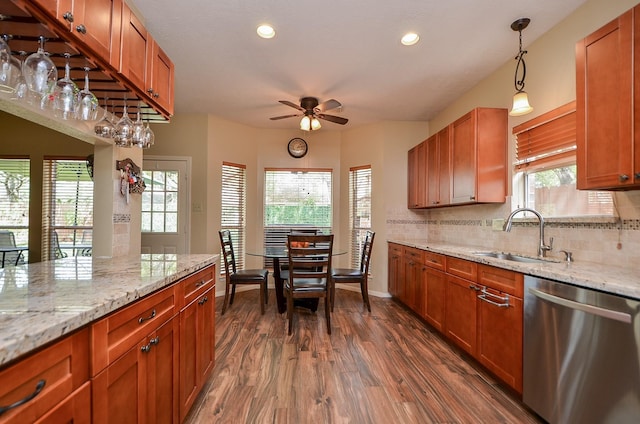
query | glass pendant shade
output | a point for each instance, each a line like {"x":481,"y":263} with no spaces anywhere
{"x":305,"y":123}
{"x":315,"y":124}
{"x":521,"y":104}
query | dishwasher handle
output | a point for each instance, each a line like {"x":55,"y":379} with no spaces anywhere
{"x":590,"y":309}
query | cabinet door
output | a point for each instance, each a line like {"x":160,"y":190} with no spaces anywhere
{"x":196,"y":348}
{"x":604,"y":104}
{"x":95,"y":25}
{"x":438,"y":169}
{"x":395,"y":252}
{"x":412,"y":178}
{"x":119,"y":394}
{"x":463,"y":159}
{"x":162,"y":374}
{"x":500,"y":338}
{"x":435,"y":283}
{"x":160,"y":86}
{"x":413,"y":280}
{"x":460,"y":313}
{"x":135,"y":48}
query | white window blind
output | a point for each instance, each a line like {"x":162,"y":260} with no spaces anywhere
{"x":15,"y":185}
{"x":233,"y":204}
{"x":67,"y":201}
{"x":296,"y":200}
{"x":359,"y":209}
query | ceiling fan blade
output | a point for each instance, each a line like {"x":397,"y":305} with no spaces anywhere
{"x":337,"y":119}
{"x":327,"y":105}
{"x":284,"y":116}
{"x":293,"y":105}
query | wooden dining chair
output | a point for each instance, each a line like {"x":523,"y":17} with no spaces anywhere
{"x":243,"y":276}
{"x":309,"y":272}
{"x":359,"y":275}
{"x":8,"y":239}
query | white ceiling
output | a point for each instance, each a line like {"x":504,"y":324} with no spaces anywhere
{"x":348,"y":50}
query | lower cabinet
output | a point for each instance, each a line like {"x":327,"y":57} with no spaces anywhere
{"x":196,"y":348}
{"x":395,"y":270}
{"x":477,"y":307}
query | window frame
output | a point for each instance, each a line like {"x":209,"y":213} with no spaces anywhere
{"x":356,"y":205}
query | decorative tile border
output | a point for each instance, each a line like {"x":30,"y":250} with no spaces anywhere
{"x":626,"y":224}
{"x":119,"y":218}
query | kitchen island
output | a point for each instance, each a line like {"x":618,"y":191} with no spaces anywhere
{"x":81,"y":331}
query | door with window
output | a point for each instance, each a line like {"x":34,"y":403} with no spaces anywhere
{"x":165,"y":214}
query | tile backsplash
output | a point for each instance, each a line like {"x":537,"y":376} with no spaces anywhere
{"x":597,"y":240}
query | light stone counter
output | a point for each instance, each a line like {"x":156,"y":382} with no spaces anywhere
{"x":622,"y":281}
{"x":43,"y":301}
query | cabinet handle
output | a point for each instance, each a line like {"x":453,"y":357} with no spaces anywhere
{"x":81,"y":29}
{"x":474,"y":287}
{"x":200,"y":283}
{"x":624,"y":177}
{"x":155,"y":340}
{"x":142,"y":319}
{"x":203,"y":301}
{"x":485,"y":296}
{"x":156,"y":95}
{"x":36,"y":392}
{"x":68,"y":16}
{"x":150,"y":90}
{"x":472,"y":198}
{"x":637,"y":175}
{"x":146,"y":348}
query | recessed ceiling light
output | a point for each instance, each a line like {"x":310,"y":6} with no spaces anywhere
{"x":410,"y":38}
{"x":266,"y":31}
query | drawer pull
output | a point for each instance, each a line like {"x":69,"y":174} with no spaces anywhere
{"x":504,"y":301}
{"x":155,"y":340}
{"x":474,"y":287}
{"x":142,"y":319}
{"x":200,"y":283}
{"x":203,"y":301}
{"x":39,"y":388}
{"x":146,"y":348}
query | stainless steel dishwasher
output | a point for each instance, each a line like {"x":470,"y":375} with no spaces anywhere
{"x":581,"y":354}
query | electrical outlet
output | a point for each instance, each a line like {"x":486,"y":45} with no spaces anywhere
{"x":497,"y":224}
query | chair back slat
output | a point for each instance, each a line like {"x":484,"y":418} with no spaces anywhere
{"x":366,"y":252}
{"x":228,"y":254}
{"x":309,"y":256}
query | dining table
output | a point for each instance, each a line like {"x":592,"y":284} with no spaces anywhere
{"x":280,"y":253}
{"x":12,"y":249}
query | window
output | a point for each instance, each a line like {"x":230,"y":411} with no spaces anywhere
{"x":160,"y":202}
{"x":67,"y":199}
{"x":296,"y":199}
{"x":233,"y":203}
{"x":359,"y":209}
{"x":14,"y":199}
{"x":545,"y":168}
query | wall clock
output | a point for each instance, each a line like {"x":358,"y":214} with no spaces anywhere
{"x":297,"y":147}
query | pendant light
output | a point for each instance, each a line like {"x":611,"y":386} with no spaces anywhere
{"x":309,"y":123}
{"x":521,"y":104}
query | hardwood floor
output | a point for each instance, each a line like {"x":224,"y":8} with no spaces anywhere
{"x":380,"y":367}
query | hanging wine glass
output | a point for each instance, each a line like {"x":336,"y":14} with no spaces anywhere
{"x":137,"y":137}
{"x":104,"y":127}
{"x":87,"y":109}
{"x":10,"y":66}
{"x":40,"y":72}
{"x":21,"y":91}
{"x":124,"y":129}
{"x":65,"y":94}
{"x":149,"y":137}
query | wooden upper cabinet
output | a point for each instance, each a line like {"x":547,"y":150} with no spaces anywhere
{"x":479,"y":157}
{"x":438,"y":168}
{"x":135,"y":48}
{"x":608,"y":150}
{"x":416,"y":177}
{"x":92,"y":22}
{"x":161,"y":73}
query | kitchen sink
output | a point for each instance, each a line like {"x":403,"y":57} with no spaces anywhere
{"x":514,"y":257}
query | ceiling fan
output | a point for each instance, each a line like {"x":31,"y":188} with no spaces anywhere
{"x":312,"y":111}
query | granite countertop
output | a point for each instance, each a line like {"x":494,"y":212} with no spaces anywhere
{"x":610,"y":279}
{"x":43,"y":301}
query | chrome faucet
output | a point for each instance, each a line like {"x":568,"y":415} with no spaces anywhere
{"x":542,"y":247}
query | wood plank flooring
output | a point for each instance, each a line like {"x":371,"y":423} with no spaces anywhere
{"x":386,"y":366}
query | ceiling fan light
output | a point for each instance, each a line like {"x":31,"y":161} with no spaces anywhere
{"x":266,"y":31}
{"x":305,"y":123}
{"x":521,"y":104}
{"x":409,"y":39}
{"x":315,"y":124}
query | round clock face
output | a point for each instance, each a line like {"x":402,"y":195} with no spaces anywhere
{"x":297,"y":147}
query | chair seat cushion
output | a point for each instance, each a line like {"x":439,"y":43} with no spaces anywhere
{"x":307,"y":285}
{"x":351,"y":274}
{"x":250,"y":275}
